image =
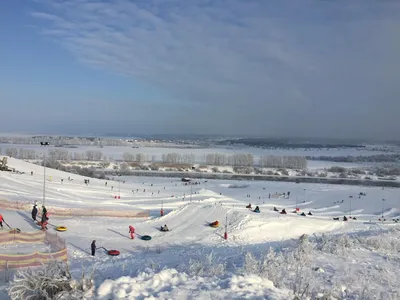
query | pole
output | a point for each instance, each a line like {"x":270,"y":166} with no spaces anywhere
{"x":191,"y":192}
{"x":44,"y":178}
{"x":350,"y":197}
{"x":226,"y":227}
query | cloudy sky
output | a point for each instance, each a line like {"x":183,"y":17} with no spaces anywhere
{"x":272,"y":68}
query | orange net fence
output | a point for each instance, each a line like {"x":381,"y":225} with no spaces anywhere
{"x":12,"y":261}
{"x":81,"y":212}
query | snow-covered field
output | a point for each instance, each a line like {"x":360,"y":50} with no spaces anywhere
{"x":193,"y":260}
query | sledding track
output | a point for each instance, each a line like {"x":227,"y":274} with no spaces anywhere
{"x":190,"y":223}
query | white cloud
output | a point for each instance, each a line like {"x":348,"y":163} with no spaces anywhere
{"x":259,"y":56}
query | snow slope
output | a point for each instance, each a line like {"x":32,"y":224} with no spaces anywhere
{"x":187,"y":216}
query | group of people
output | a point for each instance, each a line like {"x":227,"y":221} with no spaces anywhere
{"x":257,"y":209}
{"x":93,"y":246}
{"x":45,"y":216}
{"x":131,"y":233}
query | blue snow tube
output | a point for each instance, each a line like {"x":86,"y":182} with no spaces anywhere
{"x":146,"y":237}
{"x":257,"y":211}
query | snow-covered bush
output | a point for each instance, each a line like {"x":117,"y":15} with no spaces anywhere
{"x":210,"y":266}
{"x":333,"y":244}
{"x":52,"y":281}
{"x":291,"y":269}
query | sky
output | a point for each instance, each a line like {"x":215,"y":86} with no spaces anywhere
{"x":268,"y":68}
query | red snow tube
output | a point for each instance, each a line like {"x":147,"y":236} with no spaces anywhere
{"x":113,"y":252}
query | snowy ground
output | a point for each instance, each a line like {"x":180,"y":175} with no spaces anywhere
{"x":191,"y":240}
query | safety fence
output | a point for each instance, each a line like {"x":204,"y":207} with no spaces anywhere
{"x":79,"y":212}
{"x":10,"y":262}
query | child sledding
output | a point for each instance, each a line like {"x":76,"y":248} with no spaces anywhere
{"x":257,"y":209}
{"x":338,"y":219}
{"x":214,"y":224}
{"x":164,"y":228}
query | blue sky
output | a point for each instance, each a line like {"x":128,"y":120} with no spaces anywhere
{"x":272,"y":68}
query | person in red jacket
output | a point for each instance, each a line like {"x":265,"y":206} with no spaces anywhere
{"x":45,"y":221}
{"x":1,"y":221}
{"x":132,"y":231}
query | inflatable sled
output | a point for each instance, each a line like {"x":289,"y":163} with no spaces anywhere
{"x":146,"y":237}
{"x":113,"y":252}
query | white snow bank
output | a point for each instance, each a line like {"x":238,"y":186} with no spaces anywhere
{"x":170,"y":284}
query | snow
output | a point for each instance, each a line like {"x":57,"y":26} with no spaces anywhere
{"x":164,"y":267}
{"x":171,"y":284}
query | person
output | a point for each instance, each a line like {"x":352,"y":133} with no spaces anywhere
{"x":93,"y":246}
{"x":132,"y":231}
{"x":44,"y":225}
{"x":216,"y":223}
{"x":309,"y":213}
{"x":283,"y":212}
{"x":249,"y":206}
{"x":344,"y":218}
{"x":303,"y":214}
{"x":164,"y":228}
{"x":257,"y":209}
{"x":44,"y":214}
{"x":1,"y":221}
{"x":275,"y":209}
{"x":34,"y":212}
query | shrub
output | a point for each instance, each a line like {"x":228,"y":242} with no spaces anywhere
{"x":52,"y":281}
{"x":208,"y":266}
{"x":284,"y":172}
{"x":337,"y":169}
{"x":215,"y":169}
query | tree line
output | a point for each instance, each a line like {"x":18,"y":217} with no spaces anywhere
{"x":358,"y":159}
{"x":214,"y":159}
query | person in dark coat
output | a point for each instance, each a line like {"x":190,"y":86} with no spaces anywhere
{"x":44,"y":213}
{"x":34,"y":212}
{"x":93,"y":246}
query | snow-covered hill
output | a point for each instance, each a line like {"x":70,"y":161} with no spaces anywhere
{"x":191,"y":240}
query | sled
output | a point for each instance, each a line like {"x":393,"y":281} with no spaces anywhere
{"x":111,"y":252}
{"x":146,"y":237}
{"x":257,"y":211}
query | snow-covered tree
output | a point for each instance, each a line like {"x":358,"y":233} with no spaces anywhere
{"x":51,"y":281}
{"x":13,"y":152}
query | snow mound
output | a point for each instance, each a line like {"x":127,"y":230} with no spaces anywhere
{"x":171,"y":284}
